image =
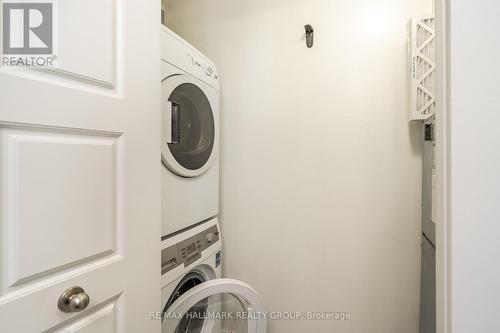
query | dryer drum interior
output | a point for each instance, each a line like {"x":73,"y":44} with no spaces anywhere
{"x":193,"y":128}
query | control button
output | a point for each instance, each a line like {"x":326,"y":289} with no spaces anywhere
{"x":210,"y":71}
{"x":210,"y":237}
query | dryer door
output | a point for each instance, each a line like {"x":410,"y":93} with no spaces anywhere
{"x":189,"y":125}
{"x":221,"y":305}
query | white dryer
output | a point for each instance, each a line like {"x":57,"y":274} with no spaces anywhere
{"x":190,"y":135}
{"x":194,"y":297}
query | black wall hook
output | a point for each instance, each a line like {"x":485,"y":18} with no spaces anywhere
{"x":309,"y":35}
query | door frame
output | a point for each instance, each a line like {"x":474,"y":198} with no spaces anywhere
{"x":443,"y":260}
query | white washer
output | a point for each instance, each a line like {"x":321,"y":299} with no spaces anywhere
{"x":194,"y":297}
{"x":190,"y":135}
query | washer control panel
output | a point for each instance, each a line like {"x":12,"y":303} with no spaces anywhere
{"x":189,"y":250}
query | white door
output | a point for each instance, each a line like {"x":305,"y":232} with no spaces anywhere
{"x":80,"y":174}
{"x":221,"y":305}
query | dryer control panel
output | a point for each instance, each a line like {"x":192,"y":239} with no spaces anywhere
{"x":189,"y":250}
{"x":201,"y":67}
{"x":184,"y":56}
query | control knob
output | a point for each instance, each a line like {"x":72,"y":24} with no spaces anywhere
{"x":210,"y":237}
{"x":210,"y":71}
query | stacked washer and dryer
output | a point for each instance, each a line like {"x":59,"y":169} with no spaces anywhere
{"x":195,"y":298}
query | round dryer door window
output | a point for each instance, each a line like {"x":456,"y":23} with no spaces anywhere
{"x":189,"y":128}
{"x":221,"y":305}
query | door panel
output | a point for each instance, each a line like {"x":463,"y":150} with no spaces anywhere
{"x":91,"y":52}
{"x":33,"y":307}
{"x":45,"y":177}
{"x":88,"y":43}
{"x":101,"y":321}
{"x":80,"y":174}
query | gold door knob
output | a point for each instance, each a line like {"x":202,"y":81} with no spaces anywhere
{"x":73,"y":300}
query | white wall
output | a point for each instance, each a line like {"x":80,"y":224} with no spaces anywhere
{"x":473,"y":165}
{"x":321,"y":173}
